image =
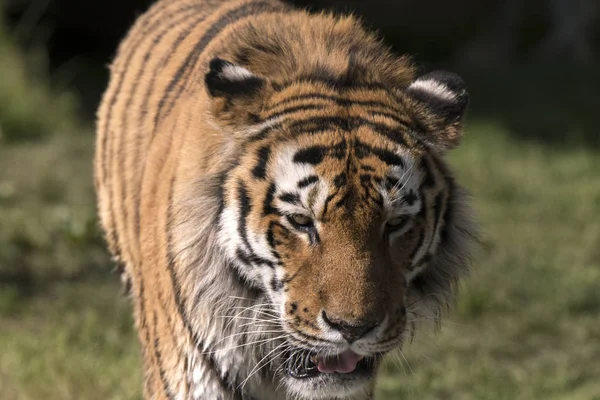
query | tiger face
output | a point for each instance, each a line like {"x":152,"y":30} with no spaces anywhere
{"x":339,"y":204}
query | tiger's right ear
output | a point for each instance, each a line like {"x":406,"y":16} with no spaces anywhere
{"x":225,"y":79}
{"x":237,"y":93}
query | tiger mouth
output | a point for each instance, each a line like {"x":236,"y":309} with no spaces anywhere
{"x":304,"y":364}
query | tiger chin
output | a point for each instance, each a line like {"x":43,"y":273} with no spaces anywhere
{"x":273,"y":188}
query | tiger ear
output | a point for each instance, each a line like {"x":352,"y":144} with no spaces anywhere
{"x":439,"y":100}
{"x":237,"y":93}
{"x":225,"y":79}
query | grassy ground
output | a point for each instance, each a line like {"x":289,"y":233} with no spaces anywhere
{"x":526,"y":325}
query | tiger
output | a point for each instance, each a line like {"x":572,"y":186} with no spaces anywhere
{"x":272,"y":184}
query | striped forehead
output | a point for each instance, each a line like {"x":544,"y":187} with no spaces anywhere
{"x":302,"y":186}
{"x":299,"y":185}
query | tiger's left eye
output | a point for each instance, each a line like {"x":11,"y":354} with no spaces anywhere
{"x":301,"y":220}
{"x":396,"y":223}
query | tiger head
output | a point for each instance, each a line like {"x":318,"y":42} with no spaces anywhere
{"x":340,"y":211}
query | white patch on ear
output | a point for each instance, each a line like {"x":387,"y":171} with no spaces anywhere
{"x":235,"y":73}
{"x":433,"y":88}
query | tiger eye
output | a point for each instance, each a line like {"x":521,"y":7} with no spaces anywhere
{"x":301,"y":219}
{"x":396,"y":222}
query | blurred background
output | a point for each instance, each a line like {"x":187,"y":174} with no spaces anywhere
{"x":527,"y":325}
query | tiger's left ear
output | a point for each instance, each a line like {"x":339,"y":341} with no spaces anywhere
{"x":237,"y":93}
{"x":439,"y":101}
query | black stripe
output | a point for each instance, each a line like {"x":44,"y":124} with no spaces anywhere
{"x":311,"y":155}
{"x":410,"y":198}
{"x":427,"y":183}
{"x":271,"y":239}
{"x":315,"y":154}
{"x":142,"y":304}
{"x":306,"y":96}
{"x":305,"y":338}
{"x":327,"y":201}
{"x":451,"y":189}
{"x":276,"y":285}
{"x":288,"y":279}
{"x":437,"y":211}
{"x":161,"y":370}
{"x":242,"y":281}
{"x":449,"y":212}
{"x":363,"y":150}
{"x":366,"y":181}
{"x":395,"y":134}
{"x":268,"y":203}
{"x":314,"y":125}
{"x":365,"y":178}
{"x":171,"y":266}
{"x":219,"y":187}
{"x":343,"y":200}
{"x":429,"y":180}
{"x":292,"y":198}
{"x":389,"y":115}
{"x":309,"y":180}
{"x":303,"y":107}
{"x":314,"y":237}
{"x":391,"y":183}
{"x":226,"y":20}
{"x":335,"y":83}
{"x":421,"y":234}
{"x":251,"y":259}
{"x":271,"y":235}
{"x":244,"y":210}
{"x":260,"y":170}
{"x":241,"y":256}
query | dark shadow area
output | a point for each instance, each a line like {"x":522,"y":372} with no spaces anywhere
{"x":550,"y":104}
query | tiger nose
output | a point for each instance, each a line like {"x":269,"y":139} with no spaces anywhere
{"x":350,"y":330}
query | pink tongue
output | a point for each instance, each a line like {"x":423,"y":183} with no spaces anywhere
{"x":344,"y":363}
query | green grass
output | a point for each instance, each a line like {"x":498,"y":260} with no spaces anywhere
{"x":24,"y":90}
{"x":65,"y":330}
{"x":526,"y":325}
